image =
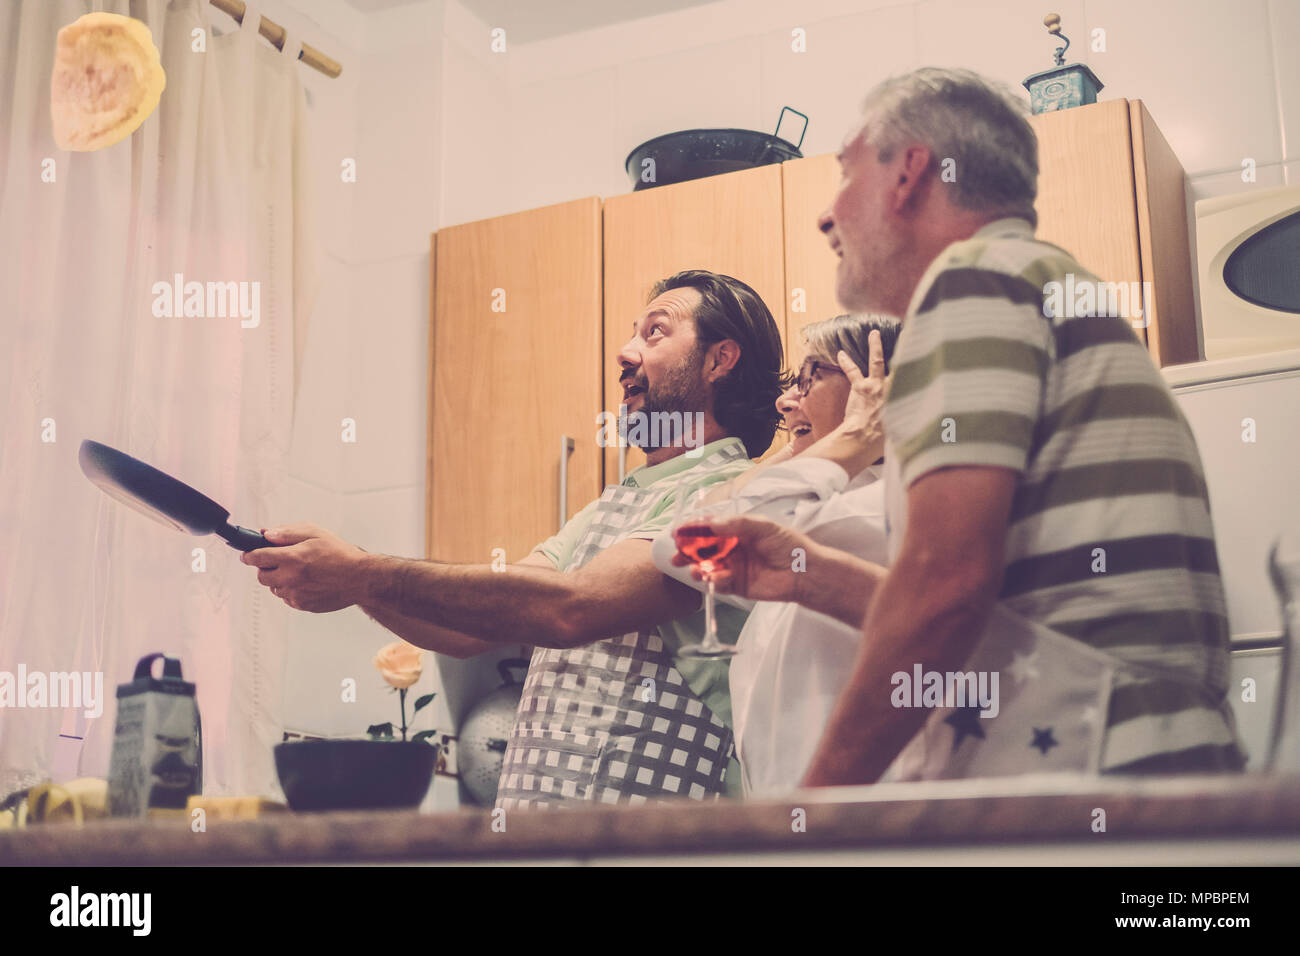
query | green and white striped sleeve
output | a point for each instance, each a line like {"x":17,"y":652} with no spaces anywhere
{"x":968,"y":374}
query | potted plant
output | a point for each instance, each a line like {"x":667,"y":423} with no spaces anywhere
{"x":374,"y":772}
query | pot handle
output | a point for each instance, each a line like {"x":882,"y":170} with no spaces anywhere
{"x":777,"y":131}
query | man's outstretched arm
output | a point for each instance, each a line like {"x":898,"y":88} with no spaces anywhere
{"x":431,"y":636}
{"x":620,"y":590}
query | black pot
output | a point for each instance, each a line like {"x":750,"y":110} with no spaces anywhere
{"x":696,"y":153}
{"x":354,"y":774}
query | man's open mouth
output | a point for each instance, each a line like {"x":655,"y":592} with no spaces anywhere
{"x":799,"y":429}
{"x":630,"y":390}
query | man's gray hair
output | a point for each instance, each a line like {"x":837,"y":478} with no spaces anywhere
{"x":960,"y":116}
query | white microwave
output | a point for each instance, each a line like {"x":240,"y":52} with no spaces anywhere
{"x":1248,"y":254}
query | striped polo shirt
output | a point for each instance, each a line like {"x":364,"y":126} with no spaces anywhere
{"x":1109,"y":539}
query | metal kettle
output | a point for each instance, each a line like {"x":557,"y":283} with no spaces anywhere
{"x":485,"y":733}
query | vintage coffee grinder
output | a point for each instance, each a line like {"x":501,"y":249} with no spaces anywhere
{"x":1062,"y":86}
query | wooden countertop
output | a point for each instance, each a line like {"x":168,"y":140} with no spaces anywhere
{"x":1022,"y":810}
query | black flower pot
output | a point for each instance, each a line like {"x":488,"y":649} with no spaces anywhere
{"x":354,"y":774}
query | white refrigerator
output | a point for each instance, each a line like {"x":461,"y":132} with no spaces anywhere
{"x":1245,"y":413}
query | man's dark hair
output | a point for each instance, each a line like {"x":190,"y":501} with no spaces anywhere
{"x":826,"y":338}
{"x":744,"y":401}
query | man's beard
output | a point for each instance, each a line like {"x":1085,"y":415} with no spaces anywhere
{"x":680,"y":391}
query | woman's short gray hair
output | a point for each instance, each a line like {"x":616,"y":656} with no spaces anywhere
{"x":960,"y":116}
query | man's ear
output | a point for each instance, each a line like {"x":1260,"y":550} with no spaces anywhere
{"x":723,"y":357}
{"x":914,"y":166}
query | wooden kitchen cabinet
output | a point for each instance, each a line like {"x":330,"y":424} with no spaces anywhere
{"x":1110,"y":191}
{"x":731,"y":224}
{"x":808,"y":186}
{"x":515,"y":351}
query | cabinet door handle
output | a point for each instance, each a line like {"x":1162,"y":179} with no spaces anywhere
{"x":566,"y":449}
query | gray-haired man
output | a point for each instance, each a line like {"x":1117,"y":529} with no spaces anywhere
{"x":1049,"y":523}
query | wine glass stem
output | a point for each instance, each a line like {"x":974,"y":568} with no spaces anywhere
{"x":710,"y":642}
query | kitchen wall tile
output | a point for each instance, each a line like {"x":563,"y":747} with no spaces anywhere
{"x":809,"y":11}
{"x":478,"y":171}
{"x":387,"y":522}
{"x":392,"y":522}
{"x":332,"y":109}
{"x":399,"y":26}
{"x":324,"y":649}
{"x":327,"y":649}
{"x":298,"y":501}
{"x":713,"y":86}
{"x":443,"y":796}
{"x":398,"y":157}
{"x":562,"y":139}
{"x":474,"y":34}
{"x":1255,"y":723}
{"x":387,"y":391}
{"x":1284,"y":36}
{"x":1204,"y":70}
{"x":471,"y":679}
{"x":315,"y":451}
{"x":1224,"y":184}
{"x":687,"y":28}
{"x":316,"y":644}
{"x":844,"y":58}
{"x":338,"y":17}
{"x":1004,"y":40}
{"x":332,"y":120}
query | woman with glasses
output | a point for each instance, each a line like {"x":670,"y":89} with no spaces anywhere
{"x":809,"y":414}
{"x":792,"y":661}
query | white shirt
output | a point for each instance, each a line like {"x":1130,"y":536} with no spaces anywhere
{"x":793,"y":662}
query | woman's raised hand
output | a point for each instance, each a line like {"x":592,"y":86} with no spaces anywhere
{"x":862,"y":417}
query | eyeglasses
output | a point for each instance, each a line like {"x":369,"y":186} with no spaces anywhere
{"x":808,"y":369}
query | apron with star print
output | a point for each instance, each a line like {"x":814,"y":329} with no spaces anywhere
{"x":614,"y":721}
{"x":1051,"y":700}
{"x":1054,"y":694}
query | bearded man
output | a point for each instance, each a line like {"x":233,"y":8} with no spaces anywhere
{"x":610,"y":711}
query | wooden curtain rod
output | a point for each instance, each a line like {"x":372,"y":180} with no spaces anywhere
{"x":313,"y":57}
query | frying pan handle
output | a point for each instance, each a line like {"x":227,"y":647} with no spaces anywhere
{"x":243,"y":539}
{"x":777,"y":131}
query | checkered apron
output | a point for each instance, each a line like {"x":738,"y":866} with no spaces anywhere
{"x":614,"y":721}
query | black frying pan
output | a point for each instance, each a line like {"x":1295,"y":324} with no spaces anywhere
{"x":160,"y":496}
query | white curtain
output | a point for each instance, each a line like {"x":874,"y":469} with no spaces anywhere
{"x":214,"y":187}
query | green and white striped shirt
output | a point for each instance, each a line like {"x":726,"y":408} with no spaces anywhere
{"x":1109,"y":540}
